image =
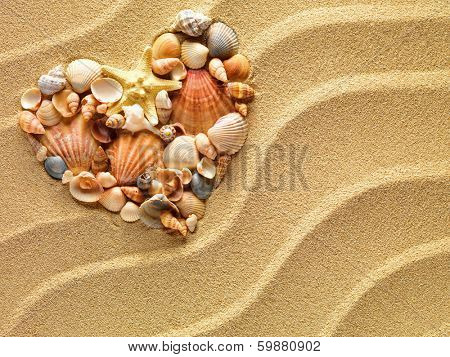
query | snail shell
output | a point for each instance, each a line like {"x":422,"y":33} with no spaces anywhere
{"x":52,"y":82}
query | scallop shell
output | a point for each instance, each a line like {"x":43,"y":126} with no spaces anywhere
{"x":55,"y":167}
{"x":101,"y":132}
{"x":217,"y":70}
{"x":194,"y":54}
{"x":85,"y":188}
{"x":133,"y":193}
{"x":52,"y":82}
{"x":29,"y":123}
{"x":222,"y":41}
{"x":99,"y":161}
{"x":130,"y":212}
{"x":164,"y":65}
{"x":88,"y":106}
{"x":181,"y":153}
{"x":166,"y":46}
{"x":63,"y":99}
{"x":168,"y":220}
{"x":191,"y":204}
{"x":131,"y":154}
{"x":179,"y":72}
{"x":241,"y":108}
{"x":47,"y":114}
{"x":204,"y":146}
{"x":150,"y":210}
{"x":241,"y":90}
{"x":39,"y":150}
{"x":67,"y":177}
{"x":172,"y":183}
{"x":191,"y":23}
{"x":115,"y":121}
{"x":106,"y":179}
{"x":191,"y":222}
{"x":237,"y":68}
{"x":200,"y":102}
{"x":206,"y":168}
{"x":222,"y":164}
{"x":106,"y":90}
{"x":73,"y":142}
{"x":163,"y":106}
{"x":31,"y":99}
{"x":201,"y":186}
{"x":81,"y":73}
{"x":228,"y":135}
{"x":113,"y":199}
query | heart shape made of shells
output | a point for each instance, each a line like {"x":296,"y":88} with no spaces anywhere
{"x":151,"y":142}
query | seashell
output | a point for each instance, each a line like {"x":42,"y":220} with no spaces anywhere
{"x":135,"y":119}
{"x":133,"y":193}
{"x":164,"y":65}
{"x":241,"y":108}
{"x":229,"y":133}
{"x":88,"y":107}
{"x":131,"y":154}
{"x":217,"y":70}
{"x":194,"y":54}
{"x":47,"y":114}
{"x":150,"y":210}
{"x":222,"y":163}
{"x":222,"y":41}
{"x":172,"y":183}
{"x":113,"y":199}
{"x":163,"y":106}
{"x":29,"y":123}
{"x":184,"y":228}
{"x":181,"y":153}
{"x":130,"y":212}
{"x":155,"y":188}
{"x":73,"y":142}
{"x":52,"y":82}
{"x":166,"y":46}
{"x":99,"y":161}
{"x":168,"y":220}
{"x":206,"y":168}
{"x":31,"y":99}
{"x":85,"y":188}
{"x":39,"y":150}
{"x":167,"y":133}
{"x":55,"y":167}
{"x":241,"y":90}
{"x":102,"y":108}
{"x":106,"y":179}
{"x":186,"y":176}
{"x":179,"y":72}
{"x":101,"y":132}
{"x":191,"y":204}
{"x":115,"y":121}
{"x":191,"y":23}
{"x":144,"y":181}
{"x":67,"y":177}
{"x":191,"y":222}
{"x":106,"y":90}
{"x":205,"y":147}
{"x":237,"y":68}
{"x":61,"y":102}
{"x":200,"y":102}
{"x":201,"y":186}
{"x":81,"y":73}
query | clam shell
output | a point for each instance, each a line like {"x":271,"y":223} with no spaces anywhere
{"x":115,"y":121}
{"x":29,"y":123}
{"x":106,"y":90}
{"x":241,"y":108}
{"x":47,"y":113}
{"x":55,"y":167}
{"x":85,"y":188}
{"x":164,"y":65}
{"x":206,"y":168}
{"x":191,"y":204}
{"x":150,"y":210}
{"x":168,"y":220}
{"x":67,"y":177}
{"x":204,"y":146}
{"x":163,"y":106}
{"x":222,"y":41}
{"x":200,"y":102}
{"x":130,"y":212}
{"x":61,"y":102}
{"x":130,"y":155}
{"x":191,"y":222}
{"x":201,"y":186}
{"x":222,"y":164}
{"x":191,"y":23}
{"x":39,"y":150}
{"x":194,"y":54}
{"x":99,"y":161}
{"x":241,"y":90}
{"x":106,"y":179}
{"x":228,"y":135}
{"x":181,"y":153}
{"x":179,"y":72}
{"x":101,"y":132}
{"x":166,"y":46}
{"x":113,"y":199}
{"x":52,"y":82}
{"x":237,"y":68}
{"x":73,"y":142}
{"x":133,"y":193}
{"x":217,"y":70}
{"x":31,"y":99}
{"x":81,"y":73}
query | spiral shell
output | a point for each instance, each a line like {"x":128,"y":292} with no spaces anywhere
{"x":88,"y":107}
{"x":115,"y":121}
{"x":194,"y":54}
{"x":106,"y":90}
{"x":191,"y":204}
{"x":217,"y":70}
{"x":133,"y":193}
{"x":135,"y":119}
{"x":206,"y":168}
{"x":205,"y":147}
{"x":191,"y":222}
{"x":47,"y":113}
{"x":237,"y":68}
{"x":241,"y":90}
{"x":130,"y":212}
{"x":99,"y":161}
{"x":29,"y":123}
{"x":241,"y":108}
{"x":81,"y":73}
{"x":52,"y":82}
{"x":85,"y":188}
{"x":181,"y":153}
{"x":191,"y":23}
{"x":39,"y":150}
{"x":166,"y":46}
{"x":66,"y":102}
{"x":163,"y":106}
{"x":31,"y":99}
{"x":229,"y":133}
{"x":222,"y":41}
{"x":221,"y":168}
{"x":168,"y":220}
{"x":55,"y":167}
{"x":167,"y":133}
{"x":164,"y":65}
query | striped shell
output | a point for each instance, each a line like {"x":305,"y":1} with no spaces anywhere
{"x":237,"y":68}
{"x":221,"y":168}
{"x":168,"y":220}
{"x":52,"y":82}
{"x":217,"y":70}
{"x":241,"y":108}
{"x":81,"y":73}
{"x":181,"y":153}
{"x":229,"y":133}
{"x":29,"y":123}
{"x":130,"y":212}
{"x":47,"y":114}
{"x":166,"y":46}
{"x":194,"y":54}
{"x":190,"y":204}
{"x":115,"y":121}
{"x":113,"y":199}
{"x":241,"y":90}
{"x":191,"y":23}
{"x":222,"y":41}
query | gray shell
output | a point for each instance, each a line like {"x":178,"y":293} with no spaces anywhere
{"x":55,"y":167}
{"x":222,"y":41}
{"x":201,"y":186}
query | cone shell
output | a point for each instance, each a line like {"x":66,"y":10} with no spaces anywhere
{"x":217,"y":70}
{"x":29,"y":123}
{"x":237,"y":68}
{"x":130,"y":155}
{"x":52,"y":82}
{"x":73,"y":101}
{"x":179,"y":72}
{"x":150,"y":210}
{"x":47,"y":114}
{"x":55,"y":167}
{"x":63,"y":99}
{"x":85,"y":188}
{"x":206,"y":168}
{"x":194,"y":54}
{"x":39,"y":150}
{"x":181,"y":153}
{"x":241,"y":108}
{"x":191,"y":204}
{"x":106,"y":90}
{"x":31,"y":99}
{"x":229,"y":133}
{"x":222,"y":41}
{"x":106,"y":179}
{"x":166,"y":46}
{"x":130,"y":212}
{"x":205,"y":147}
{"x":191,"y":222}
{"x":81,"y":73}
{"x":115,"y":121}
{"x":164,"y":65}
{"x":163,"y":106}
{"x":200,"y":102}
{"x":191,"y":23}
{"x":99,"y":161}
{"x":133,"y":193}
{"x":221,"y":168}
{"x":168,"y":220}
{"x":241,"y":90}
{"x":113,"y":199}
{"x":73,"y":142}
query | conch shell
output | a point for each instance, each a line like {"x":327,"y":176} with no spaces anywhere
{"x":113,"y":199}
{"x":191,"y":23}
{"x":115,"y":121}
{"x":222,"y":164}
{"x":135,"y":119}
{"x":47,"y":113}
{"x":206,"y":168}
{"x":237,"y":68}
{"x":181,"y":153}
{"x":88,"y":107}
{"x":52,"y":82}
{"x":191,"y":204}
{"x":66,"y":102}
{"x":106,"y":90}
{"x":194,"y":54}
{"x":166,"y":46}
{"x":99,"y":161}
{"x":133,"y":193}
{"x":85,"y":188}
{"x":205,"y":147}
{"x":81,"y":73}
{"x":29,"y":123}
{"x":163,"y":106}
{"x":39,"y":150}
{"x":222,"y":41}
{"x":241,"y":90}
{"x":217,"y":70}
{"x":31,"y":99}
{"x":130,"y":212}
{"x":228,"y":135}
{"x":170,"y":221}
{"x":164,"y":65}
{"x":150,"y":210}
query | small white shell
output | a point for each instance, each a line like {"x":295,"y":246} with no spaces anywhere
{"x":113,"y":199}
{"x":217,"y":70}
{"x":194,"y":54}
{"x":31,"y":99}
{"x":191,"y":222}
{"x":106,"y":90}
{"x":191,"y":23}
{"x":163,"y":106}
{"x":229,"y":133}
{"x":106,"y":179}
{"x":81,"y":73}
{"x":67,"y":177}
{"x":222,"y":41}
{"x":204,"y":146}
{"x":85,"y":188}
{"x":181,"y":153}
{"x":52,"y":82}
{"x":130,"y":212}
{"x":179,"y":72}
{"x":206,"y":168}
{"x":135,"y":119}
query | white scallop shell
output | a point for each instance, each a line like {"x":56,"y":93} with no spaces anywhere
{"x":113,"y":199}
{"x":31,"y":99}
{"x":81,"y":73}
{"x":106,"y":179}
{"x":52,"y":82}
{"x":194,"y":54}
{"x":181,"y":153}
{"x":78,"y":187}
{"x":130,"y":212}
{"x":222,"y":41}
{"x":229,"y":133}
{"x":106,"y":90}
{"x":191,"y":23}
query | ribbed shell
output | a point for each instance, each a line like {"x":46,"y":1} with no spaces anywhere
{"x":130,"y":212}
{"x":194,"y":54}
{"x":237,"y":68}
{"x":113,"y":199}
{"x":221,"y":168}
{"x":229,"y":133}
{"x":29,"y":123}
{"x":222,"y":41}
{"x":166,"y":46}
{"x":200,"y":102}
{"x":81,"y":73}
{"x":47,"y":113}
{"x":181,"y":153}
{"x":72,"y":140}
{"x":191,"y":204}
{"x":130,"y":155}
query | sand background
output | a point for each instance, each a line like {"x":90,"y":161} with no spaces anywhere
{"x":362,"y":86}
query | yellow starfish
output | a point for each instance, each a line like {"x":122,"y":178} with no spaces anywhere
{"x":140,"y":86}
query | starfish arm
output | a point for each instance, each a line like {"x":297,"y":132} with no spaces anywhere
{"x":117,"y":107}
{"x":118,"y":74}
{"x":150,"y":110}
{"x":158,"y":84}
{"x":145,"y":63}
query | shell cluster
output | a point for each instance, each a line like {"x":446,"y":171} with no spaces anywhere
{"x":150,"y":155}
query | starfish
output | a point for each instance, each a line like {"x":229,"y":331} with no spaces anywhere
{"x":140,"y":86}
